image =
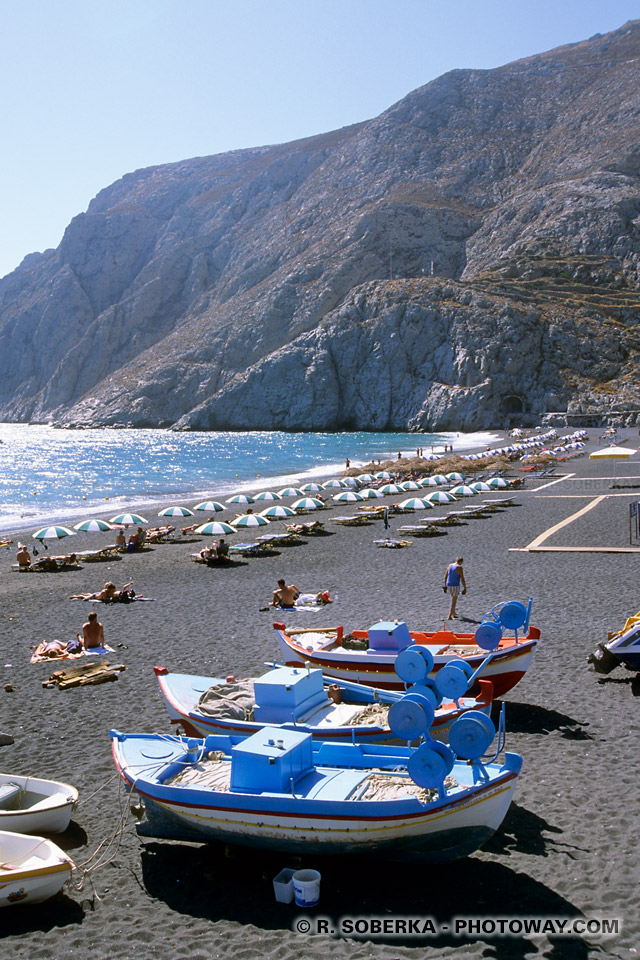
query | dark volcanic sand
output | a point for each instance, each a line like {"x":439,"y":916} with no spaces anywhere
{"x":567,"y":848}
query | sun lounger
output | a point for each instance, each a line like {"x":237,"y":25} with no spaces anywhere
{"x":393,"y":544}
{"x":352,"y":521}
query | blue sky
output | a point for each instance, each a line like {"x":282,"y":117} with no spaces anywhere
{"x":93,"y":89}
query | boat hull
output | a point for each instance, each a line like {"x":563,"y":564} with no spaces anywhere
{"x":32,"y":870}
{"x":43,"y":806}
{"x":506,"y":668}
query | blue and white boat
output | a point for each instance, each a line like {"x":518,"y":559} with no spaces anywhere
{"x":280,"y":789}
{"x":621,"y":649}
{"x":303,"y":699}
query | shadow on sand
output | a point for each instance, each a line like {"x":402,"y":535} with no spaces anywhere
{"x":530,"y":718}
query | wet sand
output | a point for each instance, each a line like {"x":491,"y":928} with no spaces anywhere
{"x":567,"y":848}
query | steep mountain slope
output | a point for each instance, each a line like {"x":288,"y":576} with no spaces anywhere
{"x":470,"y":253}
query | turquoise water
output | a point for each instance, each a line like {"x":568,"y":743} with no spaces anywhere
{"x":48,"y":474}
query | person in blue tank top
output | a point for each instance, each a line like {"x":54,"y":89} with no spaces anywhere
{"x":453,"y":581}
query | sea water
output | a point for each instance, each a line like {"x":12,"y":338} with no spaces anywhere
{"x":49,"y":474}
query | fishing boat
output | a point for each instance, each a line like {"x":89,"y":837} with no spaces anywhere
{"x":621,"y":649}
{"x":31,"y":805}
{"x":280,"y":789}
{"x":32,"y":869}
{"x":370,"y":655}
{"x":301,"y":698}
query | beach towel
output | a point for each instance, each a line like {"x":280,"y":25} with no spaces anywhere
{"x":115,"y":599}
{"x":68,"y":652}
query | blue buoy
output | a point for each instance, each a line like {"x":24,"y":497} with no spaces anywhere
{"x":469,"y":736}
{"x":410,"y":666}
{"x":488,"y":636}
{"x":407,"y":720}
{"x":513,"y":615}
{"x":425,"y":653}
{"x":451,"y":682}
{"x":430,"y":764}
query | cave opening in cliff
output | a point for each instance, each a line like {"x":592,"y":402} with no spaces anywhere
{"x":513,"y":404}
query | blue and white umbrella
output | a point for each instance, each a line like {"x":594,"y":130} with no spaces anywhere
{"x":383,"y":475}
{"x":455,"y":478}
{"x":267,"y":495}
{"x":347,"y":496}
{"x":307,"y":503}
{"x":215,"y":528}
{"x":92,"y":526}
{"x":53,"y":533}
{"x":176,"y":512}
{"x":334,"y":483}
{"x":429,"y":482}
{"x":209,"y":506}
{"x":250,"y":520}
{"x":416,"y":503}
{"x":369,"y":493}
{"x":410,"y":485}
{"x":480,"y":486}
{"x":128,"y":519}
{"x":277,"y":512}
{"x":240,"y":498}
{"x":290,"y":492}
{"x":351,"y":482}
{"x":311,"y":487}
{"x":440,"y":479}
{"x":365,"y":477}
{"x":495,"y":482}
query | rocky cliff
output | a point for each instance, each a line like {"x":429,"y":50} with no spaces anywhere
{"x":467,"y":256}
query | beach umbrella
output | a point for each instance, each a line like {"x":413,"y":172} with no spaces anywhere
{"x":334,"y":483}
{"x":267,"y":495}
{"x":176,"y":512}
{"x":277,"y":512}
{"x":612,"y":453}
{"x":391,"y":488}
{"x":351,"y":482}
{"x":347,"y":496}
{"x":307,"y":503}
{"x":209,"y":506}
{"x":496,"y":482}
{"x":428,"y":482}
{"x":365,"y":477}
{"x":250,"y":520}
{"x":128,"y":519}
{"x":440,"y":496}
{"x":240,"y":498}
{"x":455,"y":477}
{"x":463,"y":490}
{"x":53,"y":533}
{"x":480,"y":486}
{"x":440,"y":479}
{"x":290,"y":492}
{"x":215,"y":528}
{"x":383,"y":475}
{"x":433,"y":456}
{"x":92,"y":526}
{"x":311,"y":487}
{"x":368,"y":493}
{"x":410,"y":485}
{"x":416,"y":503}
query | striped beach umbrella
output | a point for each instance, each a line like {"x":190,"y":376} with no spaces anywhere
{"x":383,"y":475}
{"x":209,"y":506}
{"x":333,"y":483}
{"x":277,"y":512}
{"x":440,"y":496}
{"x":267,"y":495}
{"x":440,"y":479}
{"x":365,"y":477}
{"x":53,"y":533}
{"x":240,"y":498}
{"x":463,"y":490}
{"x":416,"y":503}
{"x":215,"y":528}
{"x":307,"y":503}
{"x":128,"y":519}
{"x":428,"y":482}
{"x":480,"y":486}
{"x":92,"y":526}
{"x":290,"y":492}
{"x":391,"y":488}
{"x":176,"y":512}
{"x":496,"y":482}
{"x":347,"y":496}
{"x":410,"y":485}
{"x":250,"y":520}
{"x":311,"y":487}
{"x":368,"y":493}
{"x":455,"y":477}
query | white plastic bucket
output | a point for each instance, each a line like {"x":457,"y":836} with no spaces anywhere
{"x":306,"y":888}
{"x":283,"y":885}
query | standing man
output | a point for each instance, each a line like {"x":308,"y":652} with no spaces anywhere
{"x":453,"y":580}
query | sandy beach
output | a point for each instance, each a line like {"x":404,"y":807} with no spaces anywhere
{"x":567,"y":849}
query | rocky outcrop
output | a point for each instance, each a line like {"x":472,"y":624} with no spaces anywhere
{"x":469,"y":255}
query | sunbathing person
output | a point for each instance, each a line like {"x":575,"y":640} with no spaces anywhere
{"x":285,"y":596}
{"x":121,"y":540}
{"x":92,"y":633}
{"x":108,"y":592}
{"x":23,"y":556}
{"x":210,"y":552}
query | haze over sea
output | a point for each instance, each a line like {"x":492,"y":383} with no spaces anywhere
{"x":49,"y":474}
